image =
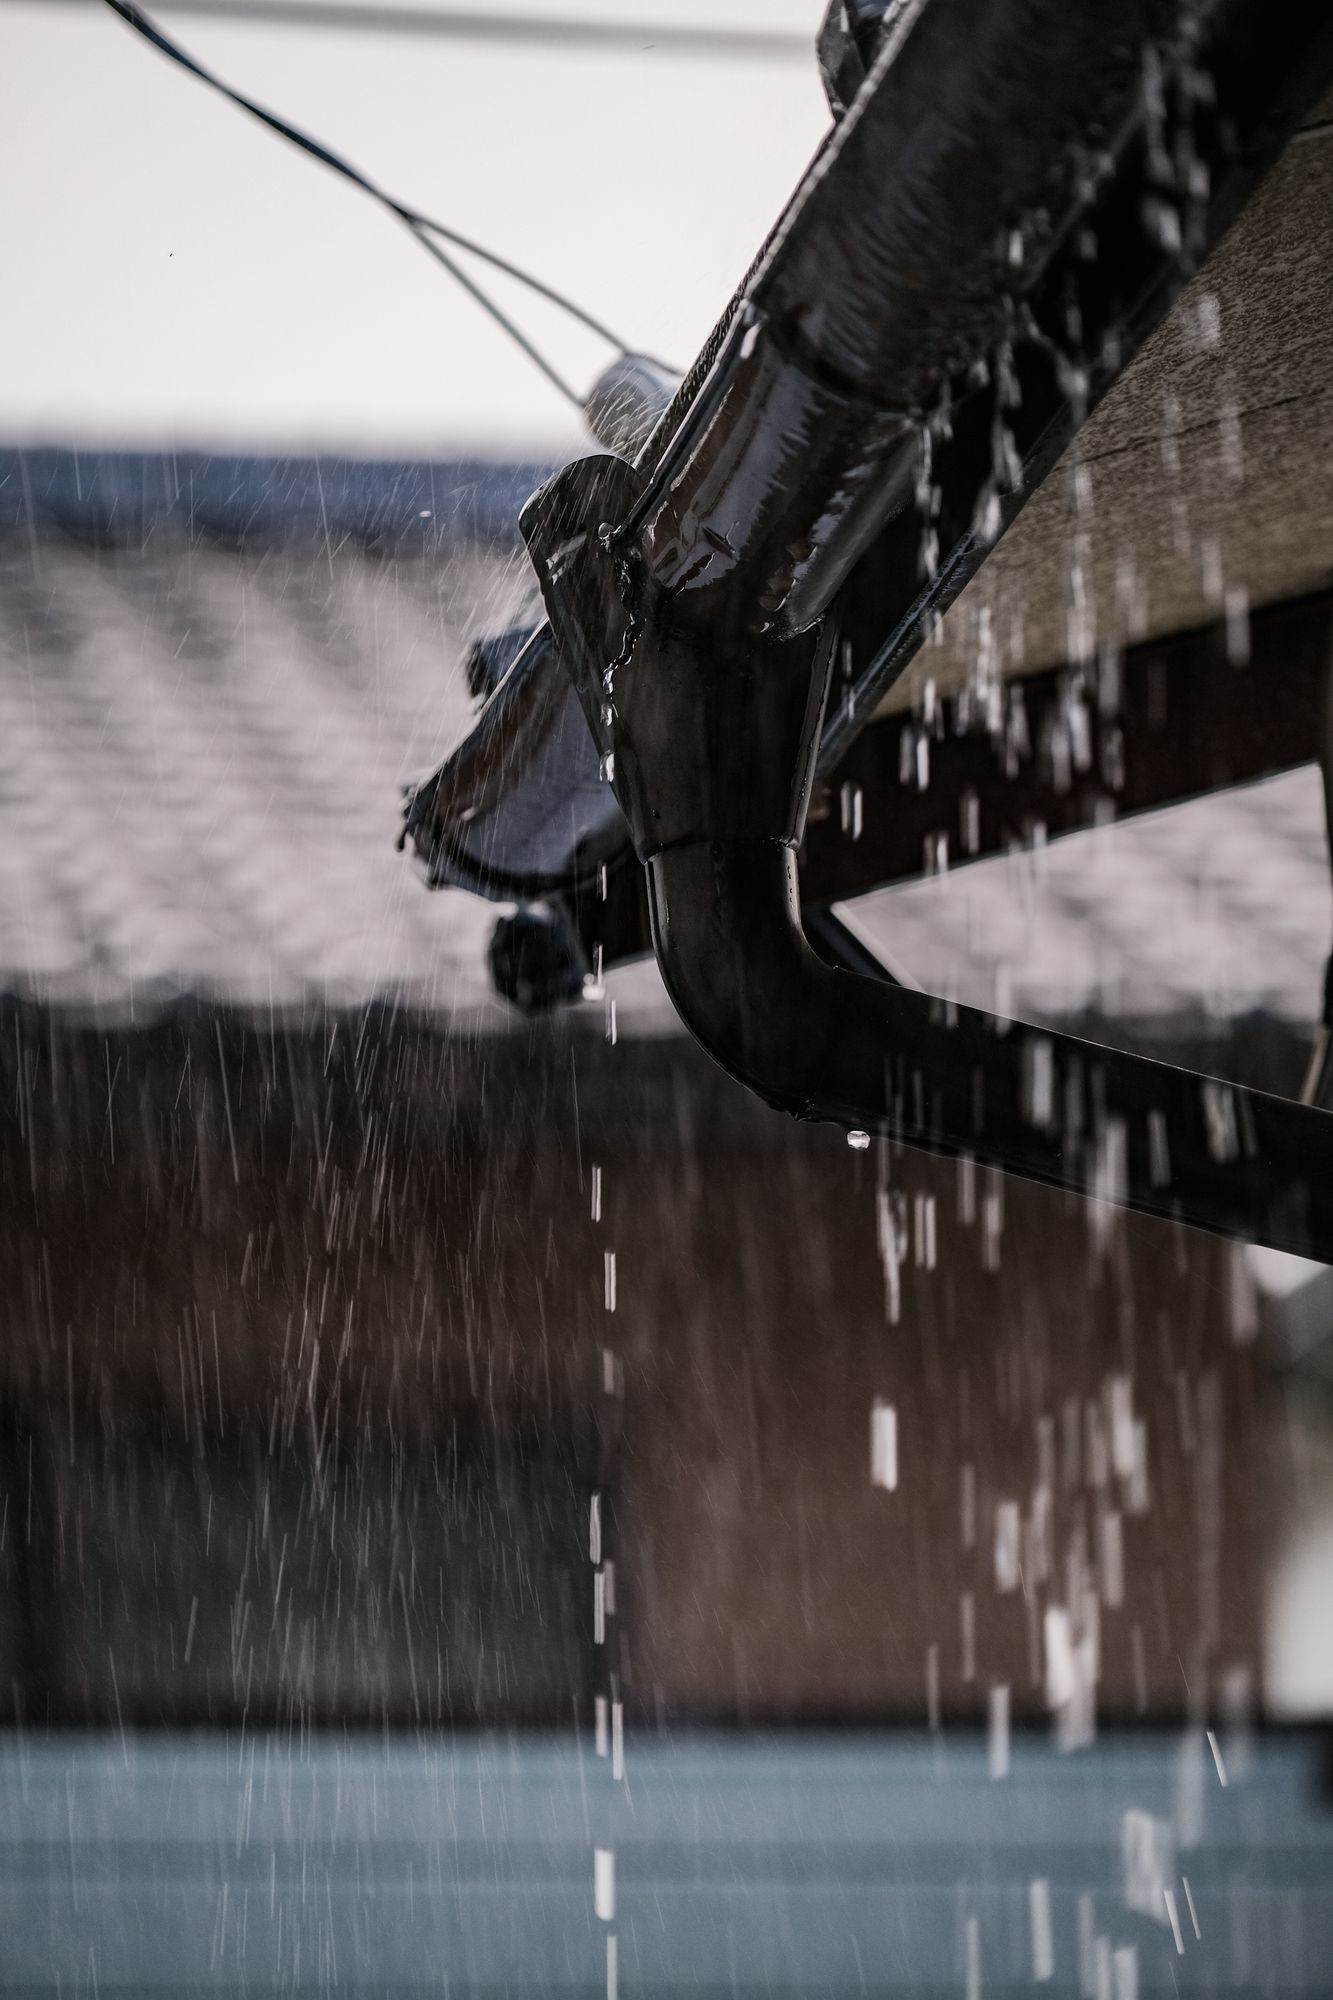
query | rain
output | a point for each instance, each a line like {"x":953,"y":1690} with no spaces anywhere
{"x":665,"y":1212}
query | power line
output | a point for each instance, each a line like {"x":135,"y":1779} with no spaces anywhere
{"x":669,"y":38}
{"x":423,"y":227}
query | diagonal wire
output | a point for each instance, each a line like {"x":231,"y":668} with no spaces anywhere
{"x":423,"y":227}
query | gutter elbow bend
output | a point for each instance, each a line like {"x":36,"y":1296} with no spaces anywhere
{"x":822,"y":1044}
{"x":710,"y":751}
{"x":726,"y":933}
{"x":865,"y":1054}
{"x":815,"y":1042}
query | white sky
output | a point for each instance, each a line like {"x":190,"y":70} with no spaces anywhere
{"x":173,"y":273}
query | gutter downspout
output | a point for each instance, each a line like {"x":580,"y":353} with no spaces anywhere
{"x":1009,"y":206}
{"x":709,"y":740}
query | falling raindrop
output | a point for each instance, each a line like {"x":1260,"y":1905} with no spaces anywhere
{"x":884,"y":1446}
{"x":1043,"y":1930}
{"x":604,"y":1883}
{"x":998,"y":1731}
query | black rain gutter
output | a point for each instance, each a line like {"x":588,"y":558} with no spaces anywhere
{"x":1017,"y":194}
{"x":714,"y":746}
{"x":1020,"y":278}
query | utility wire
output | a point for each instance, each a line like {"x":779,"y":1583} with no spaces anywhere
{"x":630,"y":37}
{"x":423,"y":227}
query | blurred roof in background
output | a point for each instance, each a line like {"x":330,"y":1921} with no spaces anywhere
{"x":216,"y":675}
{"x":1192,"y":916}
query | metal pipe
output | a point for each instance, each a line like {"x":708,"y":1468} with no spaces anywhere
{"x":686,"y":601}
{"x":1018,"y":192}
{"x":710,"y":746}
{"x":871,"y":1056}
{"x":976,"y":142}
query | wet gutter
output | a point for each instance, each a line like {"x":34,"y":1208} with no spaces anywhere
{"x":1017,"y":194}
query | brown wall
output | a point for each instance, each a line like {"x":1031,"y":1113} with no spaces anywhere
{"x":373,"y":1232}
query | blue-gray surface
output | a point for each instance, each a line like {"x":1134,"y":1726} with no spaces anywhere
{"x":130,"y":496}
{"x":742,"y":1865}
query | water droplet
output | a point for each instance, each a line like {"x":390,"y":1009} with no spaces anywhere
{"x":998,"y":1731}
{"x":604,"y":1883}
{"x":884,"y":1446}
{"x":1043,"y":1937}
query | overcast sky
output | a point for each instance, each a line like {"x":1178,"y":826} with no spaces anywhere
{"x":173,"y":273}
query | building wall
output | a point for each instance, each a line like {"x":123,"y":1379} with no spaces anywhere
{"x":369,"y":1236}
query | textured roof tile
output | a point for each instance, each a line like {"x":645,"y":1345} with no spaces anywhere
{"x":203,"y":741}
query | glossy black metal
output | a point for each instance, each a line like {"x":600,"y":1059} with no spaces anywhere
{"x":1017,"y":194}
{"x":1215,"y":105}
{"x":966,"y":156}
{"x":917,"y":359}
{"x":537,"y":958}
{"x":711,"y":751}
{"x":519,"y":812}
{"x":1175,"y":721}
{"x":847,"y":44}
{"x":1010,"y":205}
{"x":869,"y":1055}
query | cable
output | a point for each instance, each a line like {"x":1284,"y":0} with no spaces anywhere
{"x":423,"y":227}
{"x":501,"y":319}
{"x":134,"y":15}
{"x":419,"y":221}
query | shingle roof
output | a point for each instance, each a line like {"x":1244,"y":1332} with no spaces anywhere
{"x":215,"y":677}
{"x":128,"y":497}
{"x":1214,"y":909}
{"x":214,"y":683}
